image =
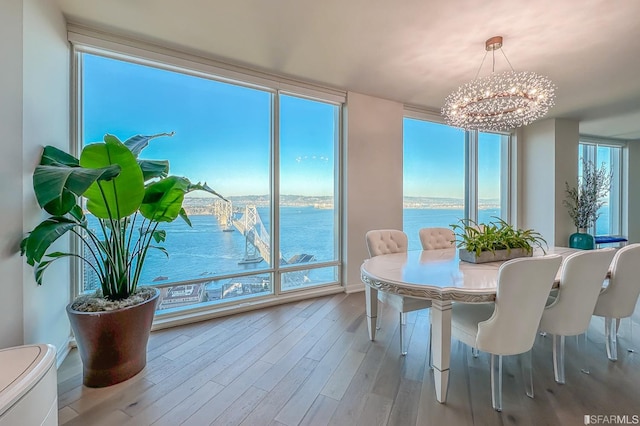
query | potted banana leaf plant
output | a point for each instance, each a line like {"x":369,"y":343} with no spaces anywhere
{"x":130,"y":197}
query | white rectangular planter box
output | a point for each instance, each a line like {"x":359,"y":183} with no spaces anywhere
{"x":496,"y":256}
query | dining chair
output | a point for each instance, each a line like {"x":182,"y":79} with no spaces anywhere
{"x":570,"y":312}
{"x":508,"y":326}
{"x":437,"y":238}
{"x":618,"y":300}
{"x":386,"y":241}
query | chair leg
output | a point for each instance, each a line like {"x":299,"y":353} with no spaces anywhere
{"x":403,"y":327}
{"x":527,"y":373}
{"x":558,"y":358}
{"x":379,"y":315}
{"x":430,"y":349}
{"x":610,"y":335}
{"x":630,"y":349}
{"x":496,"y":382}
{"x":581,"y":342}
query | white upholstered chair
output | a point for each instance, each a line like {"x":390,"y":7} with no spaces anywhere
{"x":508,"y":326}
{"x":437,"y":238}
{"x":386,"y":241}
{"x":581,"y":280}
{"x":619,"y":299}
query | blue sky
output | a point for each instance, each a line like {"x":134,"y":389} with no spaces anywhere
{"x":223,"y":132}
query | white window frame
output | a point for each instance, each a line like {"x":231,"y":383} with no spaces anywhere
{"x":471,"y":165}
{"x":616,"y":200}
{"x":85,"y":40}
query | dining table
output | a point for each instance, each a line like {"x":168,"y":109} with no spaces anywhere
{"x":439,"y":276}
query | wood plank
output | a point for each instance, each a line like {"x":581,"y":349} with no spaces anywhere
{"x":66,"y":414}
{"x":339,"y":381}
{"x":320,"y":411}
{"x":327,"y":371}
{"x":193,"y":386}
{"x":189,"y":405}
{"x":221,"y":401}
{"x":376,"y":411}
{"x":241,"y":407}
{"x":295,"y":409}
{"x":278,"y":397}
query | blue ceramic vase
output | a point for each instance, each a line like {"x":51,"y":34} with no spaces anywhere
{"x":582,"y":240}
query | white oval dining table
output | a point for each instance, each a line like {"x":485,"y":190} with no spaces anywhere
{"x":440,"y":276}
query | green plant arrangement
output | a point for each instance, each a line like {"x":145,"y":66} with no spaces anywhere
{"x":493,"y":236}
{"x":585,"y":199}
{"x":129,"y":196}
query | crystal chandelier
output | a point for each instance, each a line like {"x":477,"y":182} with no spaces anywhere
{"x":500,"y":101}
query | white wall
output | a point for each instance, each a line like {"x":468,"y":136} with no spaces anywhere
{"x":34,"y":111}
{"x":45,"y":109}
{"x":548,"y":157}
{"x":566,"y":169}
{"x":373,"y":176}
{"x":632,"y":194}
{"x":11,"y":173}
{"x":536,"y":167}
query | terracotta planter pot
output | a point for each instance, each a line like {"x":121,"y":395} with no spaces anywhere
{"x":113,"y":344}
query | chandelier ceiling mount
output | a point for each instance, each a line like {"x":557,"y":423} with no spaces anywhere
{"x":500,"y":101}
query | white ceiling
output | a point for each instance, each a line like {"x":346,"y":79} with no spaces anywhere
{"x":410,"y":51}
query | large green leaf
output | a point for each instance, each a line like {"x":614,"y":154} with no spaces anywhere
{"x":154,"y":168}
{"x":35,"y":245}
{"x":55,"y":184}
{"x":163,"y":199}
{"x":139,"y":142}
{"x":53,"y":155}
{"x":121,"y":196}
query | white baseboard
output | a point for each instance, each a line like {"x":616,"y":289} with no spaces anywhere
{"x":63,"y":350}
{"x":354,"y":288}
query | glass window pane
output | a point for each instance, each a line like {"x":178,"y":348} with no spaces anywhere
{"x":308,"y":218}
{"x":433,"y":177}
{"x":222,"y":137}
{"x":309,"y":277}
{"x":491,"y":178}
{"x":609,"y":157}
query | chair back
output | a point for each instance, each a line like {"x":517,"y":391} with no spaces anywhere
{"x":619,"y":299}
{"x":583,"y":274}
{"x":523,"y":288}
{"x":437,"y":238}
{"x":386,"y":241}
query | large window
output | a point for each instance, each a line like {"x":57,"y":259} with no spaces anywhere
{"x":608,"y":155}
{"x":450,"y":174}
{"x":272,"y":154}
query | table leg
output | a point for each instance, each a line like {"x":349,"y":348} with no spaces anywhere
{"x":371,"y":296}
{"x":441,"y":346}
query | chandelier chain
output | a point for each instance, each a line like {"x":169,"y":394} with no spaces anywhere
{"x":507,"y":59}
{"x":481,"y":63}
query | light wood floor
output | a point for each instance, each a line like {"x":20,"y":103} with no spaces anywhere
{"x":311,"y":363}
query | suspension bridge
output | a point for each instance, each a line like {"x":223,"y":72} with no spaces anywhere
{"x":247,"y":221}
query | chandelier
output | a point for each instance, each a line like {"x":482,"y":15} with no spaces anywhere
{"x":500,"y":101}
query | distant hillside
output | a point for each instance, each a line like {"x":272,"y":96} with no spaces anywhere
{"x":204,"y":205}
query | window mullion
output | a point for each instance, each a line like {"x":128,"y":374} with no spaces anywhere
{"x":275,"y":191}
{"x":471,"y":175}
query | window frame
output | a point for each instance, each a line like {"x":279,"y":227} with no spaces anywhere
{"x":471,"y":153}
{"x":140,"y":53}
{"x":617,"y":205}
